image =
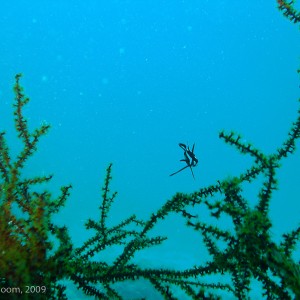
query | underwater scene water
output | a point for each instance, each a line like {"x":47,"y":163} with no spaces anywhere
{"x":124,"y":82}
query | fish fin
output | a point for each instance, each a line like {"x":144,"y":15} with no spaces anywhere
{"x":192,"y":172}
{"x":178,"y":171}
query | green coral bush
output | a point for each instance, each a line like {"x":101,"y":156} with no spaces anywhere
{"x":30,"y":258}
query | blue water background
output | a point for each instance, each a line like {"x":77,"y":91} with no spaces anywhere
{"x":126,"y":81}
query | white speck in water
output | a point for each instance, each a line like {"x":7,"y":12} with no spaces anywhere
{"x":44,"y":78}
{"x":104,"y":81}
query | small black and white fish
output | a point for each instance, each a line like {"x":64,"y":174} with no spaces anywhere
{"x":189,"y":158}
